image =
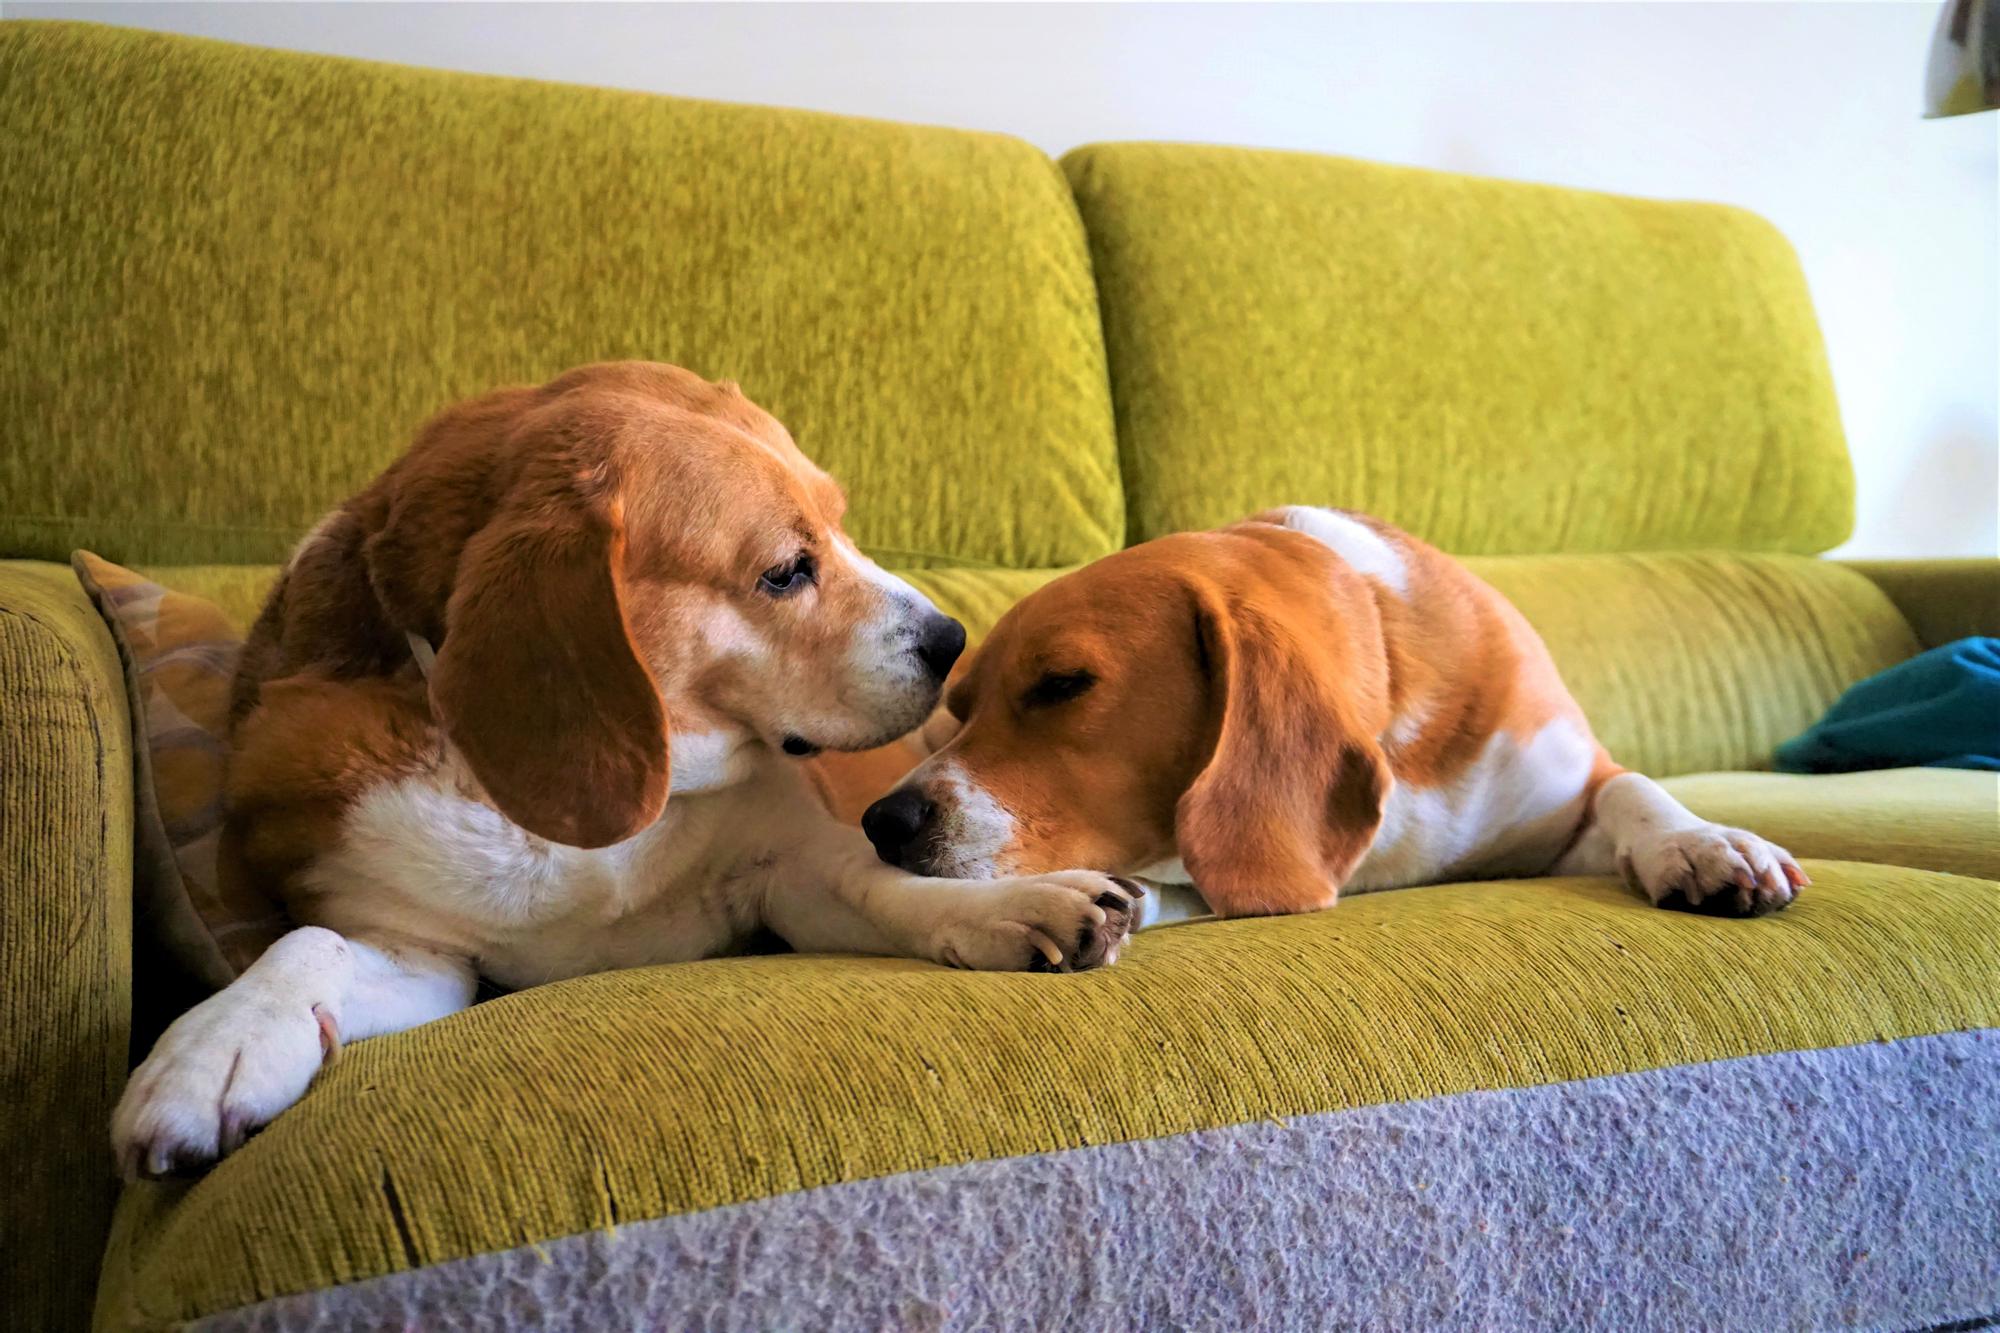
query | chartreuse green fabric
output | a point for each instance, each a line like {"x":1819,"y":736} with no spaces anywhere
{"x":1929,"y":818}
{"x":1943,"y":600}
{"x":65,"y":937}
{"x":238,"y":279}
{"x":1493,"y":366}
{"x":630,"y":1095}
{"x":1697,"y":661}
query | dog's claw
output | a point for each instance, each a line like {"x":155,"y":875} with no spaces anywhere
{"x":329,"y":1034}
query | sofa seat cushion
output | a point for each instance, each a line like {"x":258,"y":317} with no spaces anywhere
{"x":608,"y":1108}
{"x":1930,"y":818}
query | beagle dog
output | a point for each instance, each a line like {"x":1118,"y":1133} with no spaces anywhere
{"x":537,"y":703}
{"x":1305,"y":703}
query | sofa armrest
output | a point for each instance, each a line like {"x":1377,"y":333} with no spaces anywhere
{"x":1942,"y":599}
{"x":65,"y":936}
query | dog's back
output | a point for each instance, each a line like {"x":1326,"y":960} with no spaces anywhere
{"x":1493,"y":760}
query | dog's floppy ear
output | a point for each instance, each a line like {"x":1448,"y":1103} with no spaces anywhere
{"x":1292,"y":795}
{"x":538,"y":682}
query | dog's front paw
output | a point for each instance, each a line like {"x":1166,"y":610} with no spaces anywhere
{"x":225,"y":1068}
{"x":1714,"y":870}
{"x":1067,"y":922}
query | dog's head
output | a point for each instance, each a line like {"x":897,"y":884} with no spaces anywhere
{"x":1213,"y":697}
{"x":627,"y":555}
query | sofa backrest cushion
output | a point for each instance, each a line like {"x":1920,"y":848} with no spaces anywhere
{"x":235,"y":281}
{"x":1499,"y":368}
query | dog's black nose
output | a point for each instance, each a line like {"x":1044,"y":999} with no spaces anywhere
{"x":939,"y":644}
{"x":897,"y":820}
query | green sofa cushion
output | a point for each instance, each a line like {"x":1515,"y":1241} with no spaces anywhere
{"x":1698,"y":661}
{"x":600,"y":1102}
{"x":1931,"y":818}
{"x":236,"y":280}
{"x":1496,"y":367}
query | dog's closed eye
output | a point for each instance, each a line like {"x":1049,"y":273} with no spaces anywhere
{"x":1056,"y":687}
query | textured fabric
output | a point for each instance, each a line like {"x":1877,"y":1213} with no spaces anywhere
{"x":979,"y":597}
{"x":1643,"y":1201}
{"x":1495,"y":367}
{"x":1940,"y":708}
{"x":65,"y":927}
{"x":1687,"y":663}
{"x":237,"y":279}
{"x":1926,"y":818}
{"x":1942,"y":599}
{"x":179,"y":654}
{"x":629,"y":1095}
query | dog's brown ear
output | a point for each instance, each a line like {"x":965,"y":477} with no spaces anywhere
{"x":538,"y":682}
{"x":1292,"y":795}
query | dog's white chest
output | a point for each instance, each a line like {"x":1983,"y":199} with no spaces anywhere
{"x":420,"y":858}
{"x":1511,"y":811}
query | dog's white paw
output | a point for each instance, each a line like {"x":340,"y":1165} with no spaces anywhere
{"x":225,"y":1068}
{"x":1070,"y":921}
{"x":1713,"y":869}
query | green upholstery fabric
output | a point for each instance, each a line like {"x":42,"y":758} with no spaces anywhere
{"x":1930,"y":818}
{"x":630,"y":1095}
{"x":1942,"y":599}
{"x":1701,"y":661}
{"x":237,"y":279}
{"x":65,"y":938}
{"x":1496,"y":367}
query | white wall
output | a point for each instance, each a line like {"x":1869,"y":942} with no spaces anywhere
{"x":1805,"y":112}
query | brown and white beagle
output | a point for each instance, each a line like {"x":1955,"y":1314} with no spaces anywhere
{"x":536,"y":703}
{"x":1306,"y":703}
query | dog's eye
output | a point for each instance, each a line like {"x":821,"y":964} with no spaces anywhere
{"x":783,"y":580}
{"x":1057,"y":687}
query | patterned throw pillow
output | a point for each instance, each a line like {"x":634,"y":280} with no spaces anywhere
{"x":179,"y":654}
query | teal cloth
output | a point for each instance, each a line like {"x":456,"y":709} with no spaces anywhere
{"x":1938,"y":710}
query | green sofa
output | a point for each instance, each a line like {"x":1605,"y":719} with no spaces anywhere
{"x":233,"y":281}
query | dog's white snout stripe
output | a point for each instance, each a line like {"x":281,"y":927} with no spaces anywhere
{"x":972,"y":830}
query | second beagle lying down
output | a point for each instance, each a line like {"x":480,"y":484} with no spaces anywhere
{"x":1306,"y":702}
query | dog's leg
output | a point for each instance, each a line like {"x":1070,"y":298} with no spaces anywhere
{"x":829,"y":893}
{"x":237,"y":1059}
{"x":1677,"y":859}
